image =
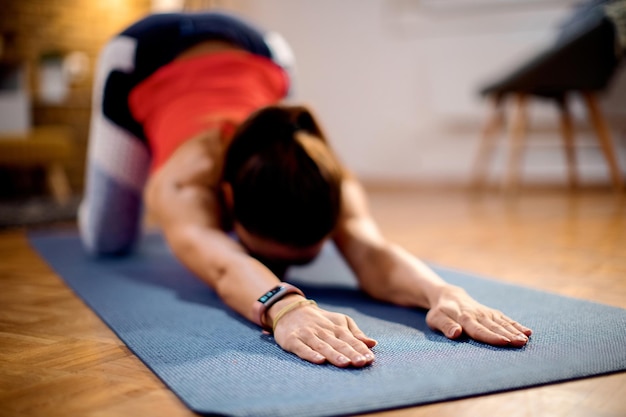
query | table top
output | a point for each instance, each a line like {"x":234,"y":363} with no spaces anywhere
{"x":42,"y":145}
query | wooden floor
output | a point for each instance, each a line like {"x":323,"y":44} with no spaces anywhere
{"x":58,"y":359}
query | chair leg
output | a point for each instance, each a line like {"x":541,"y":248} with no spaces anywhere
{"x":567,"y":132}
{"x":492,"y":127}
{"x":604,"y":137}
{"x":517,"y":136}
{"x":58,"y":183}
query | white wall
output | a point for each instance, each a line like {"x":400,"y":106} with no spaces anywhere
{"x":395,"y":82}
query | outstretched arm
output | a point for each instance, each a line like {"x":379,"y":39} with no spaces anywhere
{"x":389,"y":273}
{"x":182,"y":199}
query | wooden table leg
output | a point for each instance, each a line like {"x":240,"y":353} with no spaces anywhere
{"x":491,"y":128}
{"x":604,"y":137}
{"x":567,"y":133}
{"x":517,"y":134}
{"x":58,"y":183}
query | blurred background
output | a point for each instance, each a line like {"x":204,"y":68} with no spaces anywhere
{"x":395,"y":82}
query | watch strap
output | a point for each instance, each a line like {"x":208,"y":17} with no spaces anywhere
{"x":260,"y":306}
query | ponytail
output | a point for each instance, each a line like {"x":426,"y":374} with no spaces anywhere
{"x":286,"y":180}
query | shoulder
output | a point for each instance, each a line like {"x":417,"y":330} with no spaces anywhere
{"x":197,"y":162}
{"x":186,"y":189}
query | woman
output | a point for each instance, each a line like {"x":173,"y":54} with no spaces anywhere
{"x":202,"y":93}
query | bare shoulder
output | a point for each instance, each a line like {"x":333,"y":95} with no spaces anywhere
{"x":194,"y":168}
{"x":199,"y":161}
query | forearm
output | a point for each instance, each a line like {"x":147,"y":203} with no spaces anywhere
{"x":216,"y":259}
{"x":384,"y":270}
{"x":389,"y":273}
{"x":410,"y":281}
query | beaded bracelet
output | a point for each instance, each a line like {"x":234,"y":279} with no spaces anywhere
{"x":289,"y":308}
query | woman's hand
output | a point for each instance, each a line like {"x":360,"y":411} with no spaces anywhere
{"x":455,"y":313}
{"x":317,"y":336}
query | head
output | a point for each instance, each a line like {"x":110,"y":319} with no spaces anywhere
{"x":282,"y":184}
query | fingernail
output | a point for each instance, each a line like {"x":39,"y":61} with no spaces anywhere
{"x":455,"y":332}
{"x":319,"y":357}
{"x":369,"y":357}
{"x":343,"y":360}
{"x":360,"y":359}
{"x":521,"y":338}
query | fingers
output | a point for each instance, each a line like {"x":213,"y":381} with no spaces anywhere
{"x":340,"y":352}
{"x":326,"y":337}
{"x":328,"y":347}
{"x":494,"y":328}
{"x":369,"y":342}
{"x":516,"y":330}
{"x":521,"y":328}
{"x":482,"y":324}
{"x":302,"y":350}
{"x":438,"y":320}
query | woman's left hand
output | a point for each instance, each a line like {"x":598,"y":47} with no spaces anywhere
{"x":455,"y":313}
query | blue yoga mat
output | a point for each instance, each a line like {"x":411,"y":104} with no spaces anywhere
{"x":219,"y":364}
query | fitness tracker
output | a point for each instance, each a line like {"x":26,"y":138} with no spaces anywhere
{"x":260,"y":306}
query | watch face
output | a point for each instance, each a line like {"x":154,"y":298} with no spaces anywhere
{"x":268,"y":295}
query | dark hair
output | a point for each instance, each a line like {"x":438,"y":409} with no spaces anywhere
{"x":286,"y":181}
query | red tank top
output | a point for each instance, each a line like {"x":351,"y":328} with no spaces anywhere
{"x":188,"y":96}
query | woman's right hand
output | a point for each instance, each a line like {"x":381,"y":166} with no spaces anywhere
{"x":317,"y":336}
